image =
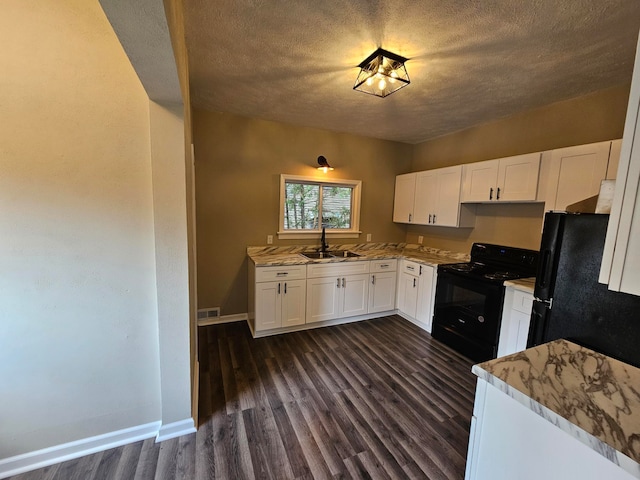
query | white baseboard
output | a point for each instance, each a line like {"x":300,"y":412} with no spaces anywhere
{"x":326,"y":323}
{"x":416,"y":322}
{"x":238,"y":317}
{"x":175,"y":429}
{"x":79,"y":448}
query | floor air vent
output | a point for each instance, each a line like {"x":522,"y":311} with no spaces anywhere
{"x":207,"y":316}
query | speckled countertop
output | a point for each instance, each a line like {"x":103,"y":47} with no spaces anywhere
{"x":277,"y":256}
{"x":594,"y":398}
{"x":522,"y":284}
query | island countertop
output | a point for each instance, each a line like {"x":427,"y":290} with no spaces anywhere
{"x":591,"y":396}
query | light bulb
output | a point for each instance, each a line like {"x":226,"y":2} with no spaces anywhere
{"x":325,"y":169}
{"x":382,"y":85}
{"x":370,"y":81}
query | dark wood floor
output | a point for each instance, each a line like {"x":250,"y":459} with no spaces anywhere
{"x":375,"y":399}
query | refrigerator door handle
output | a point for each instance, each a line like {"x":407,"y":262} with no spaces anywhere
{"x":545,"y":269}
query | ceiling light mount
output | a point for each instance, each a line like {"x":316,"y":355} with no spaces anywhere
{"x":323,"y":164}
{"x":382,"y":73}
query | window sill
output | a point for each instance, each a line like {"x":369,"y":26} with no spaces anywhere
{"x":316,"y":234}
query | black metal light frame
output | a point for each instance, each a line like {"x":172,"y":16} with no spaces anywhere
{"x":382,"y":73}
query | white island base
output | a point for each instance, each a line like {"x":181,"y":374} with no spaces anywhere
{"x":555,"y":412}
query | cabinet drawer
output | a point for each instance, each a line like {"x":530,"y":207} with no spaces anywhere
{"x":412,"y":268}
{"x":286,"y":272}
{"x":315,"y":270}
{"x":522,"y":302}
{"x":378,"y":266}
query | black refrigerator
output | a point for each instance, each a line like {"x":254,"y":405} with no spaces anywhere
{"x":569,"y":302}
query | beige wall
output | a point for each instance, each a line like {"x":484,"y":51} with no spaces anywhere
{"x":238,"y":163}
{"x":592,"y":118}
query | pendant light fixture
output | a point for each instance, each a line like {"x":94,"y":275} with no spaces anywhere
{"x":382,"y":73}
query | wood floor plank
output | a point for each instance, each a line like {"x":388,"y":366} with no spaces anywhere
{"x":375,"y":399}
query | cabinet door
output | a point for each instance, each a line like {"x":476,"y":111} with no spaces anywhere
{"x":622,"y":246}
{"x":354,"y":295}
{"x":404,"y":198}
{"x":518,"y":178}
{"x":447,"y":211}
{"x":426,"y":197}
{"x":575,"y":174}
{"x":408,"y":294}
{"x":268,"y":305}
{"x":293,"y":302}
{"x":382,"y":292}
{"x":480,"y":181}
{"x":426,"y":293}
{"x":322,"y":299}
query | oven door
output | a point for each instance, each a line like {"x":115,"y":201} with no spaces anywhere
{"x":467,"y":314}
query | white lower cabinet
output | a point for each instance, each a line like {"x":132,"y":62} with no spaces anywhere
{"x":516,"y":317}
{"x":277,"y":296}
{"x":416,"y":292}
{"x":336,"y":290}
{"x":382,"y":286}
{"x":280,"y":304}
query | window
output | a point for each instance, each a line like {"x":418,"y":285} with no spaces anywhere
{"x":308,"y":204}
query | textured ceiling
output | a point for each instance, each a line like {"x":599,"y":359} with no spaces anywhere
{"x":470,"y":61}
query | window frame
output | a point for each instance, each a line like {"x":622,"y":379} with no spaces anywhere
{"x":353,"y":232}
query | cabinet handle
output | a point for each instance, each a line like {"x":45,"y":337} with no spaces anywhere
{"x":338,"y":284}
{"x":420,"y":270}
{"x":429,"y":218}
{"x":409,"y":217}
{"x":498,"y":194}
{"x":491,"y":193}
{"x":282,"y":274}
{"x":343,"y":282}
{"x":278,"y":289}
{"x":434,"y":218}
{"x":410,"y":267}
{"x":384,"y":265}
{"x":414,"y":283}
{"x":285,"y":288}
{"x":373,"y":279}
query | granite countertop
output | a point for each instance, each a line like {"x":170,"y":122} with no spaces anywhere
{"x":522,"y":284}
{"x":278,"y":256}
{"x":594,"y":398}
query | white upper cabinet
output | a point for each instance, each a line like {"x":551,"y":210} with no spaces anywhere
{"x":432,"y":197}
{"x":622,"y":246}
{"x":404,"y":198}
{"x":510,"y":179}
{"x":573,"y":174}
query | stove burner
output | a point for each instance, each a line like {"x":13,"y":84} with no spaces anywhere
{"x":500,"y":275}
{"x":465,"y":267}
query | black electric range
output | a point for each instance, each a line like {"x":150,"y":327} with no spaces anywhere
{"x":469,"y":297}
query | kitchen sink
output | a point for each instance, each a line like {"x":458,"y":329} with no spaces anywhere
{"x":343,"y":253}
{"x":330,"y":254}
{"x":317,"y":255}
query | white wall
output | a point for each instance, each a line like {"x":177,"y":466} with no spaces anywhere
{"x":79,"y":352}
{"x":170,"y":209}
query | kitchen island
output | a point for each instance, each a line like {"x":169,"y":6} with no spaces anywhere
{"x":555,"y":411}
